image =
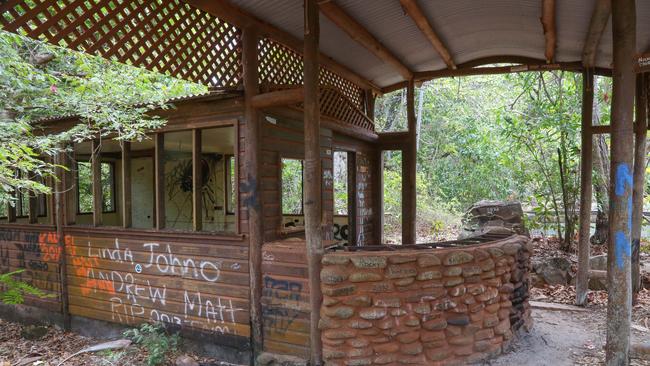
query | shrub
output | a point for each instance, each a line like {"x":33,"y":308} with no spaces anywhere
{"x":155,"y":339}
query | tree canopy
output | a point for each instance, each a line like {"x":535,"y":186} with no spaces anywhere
{"x":40,"y":81}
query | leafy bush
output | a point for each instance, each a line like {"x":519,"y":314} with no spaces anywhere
{"x":155,"y":339}
{"x":15,"y":290}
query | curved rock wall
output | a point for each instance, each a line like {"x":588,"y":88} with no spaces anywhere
{"x":433,"y":306}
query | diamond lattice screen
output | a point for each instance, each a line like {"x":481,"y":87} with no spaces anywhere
{"x":163,"y":36}
{"x":281,"y":67}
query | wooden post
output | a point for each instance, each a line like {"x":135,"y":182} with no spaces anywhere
{"x":96,"y":169}
{"x":586,"y":165}
{"x":312,"y":184}
{"x":70,"y":189}
{"x":409,"y":155}
{"x":252,"y":198}
{"x":59,"y":216}
{"x":159,"y":167}
{"x":127,"y":213}
{"x":33,"y":206}
{"x":641,"y":131}
{"x":619,"y":284}
{"x":197,"y":194}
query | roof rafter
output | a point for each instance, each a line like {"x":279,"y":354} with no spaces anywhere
{"x":223,"y":9}
{"x":415,"y":12}
{"x":550,"y":32}
{"x":361,"y":35}
{"x":599,"y":19}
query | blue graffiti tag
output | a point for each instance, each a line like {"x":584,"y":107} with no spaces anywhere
{"x":623,"y":177}
{"x":622,"y":242}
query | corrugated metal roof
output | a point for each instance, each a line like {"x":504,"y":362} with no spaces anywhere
{"x":470,"y":29}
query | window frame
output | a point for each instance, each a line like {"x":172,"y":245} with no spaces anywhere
{"x":229,"y":177}
{"x":302,"y":186}
{"x":113,"y":182}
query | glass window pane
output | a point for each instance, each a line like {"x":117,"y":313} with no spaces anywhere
{"x":340,"y":183}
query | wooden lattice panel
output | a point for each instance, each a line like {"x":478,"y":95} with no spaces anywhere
{"x":335,"y":105}
{"x":282,"y":67}
{"x":163,"y":36}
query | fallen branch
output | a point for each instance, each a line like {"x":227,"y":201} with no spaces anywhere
{"x":555,"y":306}
{"x":120,"y":343}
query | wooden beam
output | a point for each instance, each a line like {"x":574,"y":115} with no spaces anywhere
{"x":361,"y":35}
{"x":58,"y":210}
{"x":586,"y":167}
{"x":550,"y":33}
{"x":96,"y":169}
{"x":159,"y":179}
{"x":409,"y":159}
{"x":127,"y":214}
{"x":415,"y":12}
{"x":33,"y":206}
{"x":597,"y":25}
{"x":312,"y":200}
{"x":224,"y":10}
{"x":278,"y":98}
{"x":619,"y":280}
{"x":640,"y":132}
{"x":251,"y":191}
{"x":197,"y":181}
{"x":423,"y":76}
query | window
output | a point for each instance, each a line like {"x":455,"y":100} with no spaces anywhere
{"x":85,"y":187}
{"x":230,"y":184}
{"x":22,"y":203}
{"x":292,"y":176}
{"x":340,"y":183}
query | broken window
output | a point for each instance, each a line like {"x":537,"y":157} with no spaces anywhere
{"x":292,"y":190}
{"x":85,"y":187}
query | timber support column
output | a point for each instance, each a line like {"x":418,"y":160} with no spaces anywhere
{"x":409,"y":162}
{"x":640,"y":133}
{"x":252,"y":199}
{"x":619,"y":279}
{"x":312,"y":184}
{"x":59,"y":217}
{"x":586,"y":165}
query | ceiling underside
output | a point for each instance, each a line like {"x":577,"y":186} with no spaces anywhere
{"x":470,"y":30}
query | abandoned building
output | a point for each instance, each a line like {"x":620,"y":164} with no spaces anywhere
{"x":192,"y":227}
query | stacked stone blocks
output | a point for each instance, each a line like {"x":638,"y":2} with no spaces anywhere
{"x":430,"y":306}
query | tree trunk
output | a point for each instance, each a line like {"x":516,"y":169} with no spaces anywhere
{"x":601,"y":182}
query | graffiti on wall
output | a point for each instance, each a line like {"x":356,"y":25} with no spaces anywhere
{"x":36,"y":254}
{"x":138,"y":282}
{"x":283,"y":305}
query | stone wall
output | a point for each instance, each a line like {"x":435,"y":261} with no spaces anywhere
{"x":427,"y":306}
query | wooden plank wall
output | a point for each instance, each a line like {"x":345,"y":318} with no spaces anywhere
{"x":198,"y":283}
{"x":285,"y":297}
{"x":285,"y":139}
{"x":34,"y":250}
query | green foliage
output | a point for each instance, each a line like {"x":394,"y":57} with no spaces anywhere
{"x":292,"y":178}
{"x":503,"y":137}
{"x":14,"y":290}
{"x":40,"y":81}
{"x":155,"y":339}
